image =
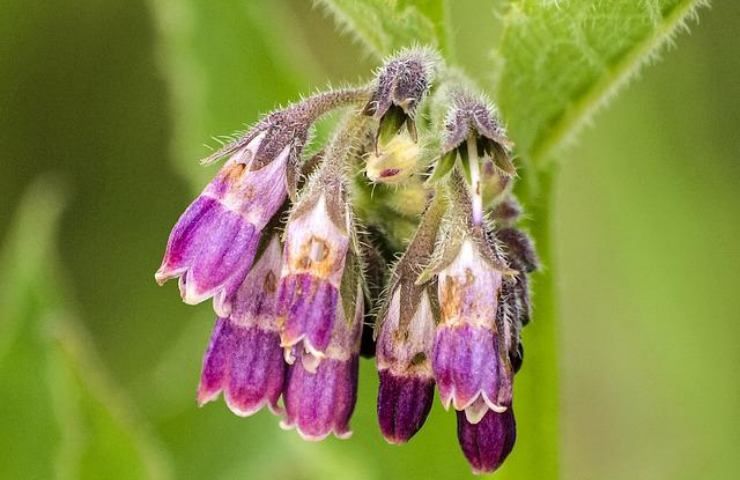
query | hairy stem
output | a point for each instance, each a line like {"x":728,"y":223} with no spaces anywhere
{"x":537,"y":395}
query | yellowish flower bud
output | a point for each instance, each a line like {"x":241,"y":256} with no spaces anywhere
{"x":394,"y":161}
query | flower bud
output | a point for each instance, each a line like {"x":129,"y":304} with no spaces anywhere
{"x":313,"y":263}
{"x":244,"y":358}
{"x":486,"y":444}
{"x":320,"y":397}
{"x":507,"y":212}
{"x":402,"y":83}
{"x":477,"y":117}
{"x":394,"y":161}
{"x":473,"y":133}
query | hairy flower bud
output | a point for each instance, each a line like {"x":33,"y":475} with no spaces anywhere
{"x":244,"y":358}
{"x":473,"y":133}
{"x":486,"y":444}
{"x":395,"y":161}
{"x":468,"y":116}
{"x":402,"y":82}
{"x":401,"y":85}
{"x":507,"y":212}
{"x":522,"y":257}
{"x":320,"y":397}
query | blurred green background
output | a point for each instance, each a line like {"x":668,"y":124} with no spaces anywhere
{"x":98,"y":366}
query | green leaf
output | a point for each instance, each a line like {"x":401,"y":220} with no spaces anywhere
{"x":384,"y":26}
{"x":60,"y":418}
{"x":559,"y":61}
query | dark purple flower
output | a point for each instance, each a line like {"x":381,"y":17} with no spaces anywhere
{"x":213,"y":244}
{"x":320,"y":392}
{"x":471,"y":371}
{"x":244,"y":358}
{"x":404,"y":365}
{"x":313,"y":264}
{"x":486,"y":444}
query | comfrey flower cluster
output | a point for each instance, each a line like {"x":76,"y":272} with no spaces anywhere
{"x":298,"y":254}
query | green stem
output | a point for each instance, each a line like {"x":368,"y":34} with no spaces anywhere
{"x":536,"y":454}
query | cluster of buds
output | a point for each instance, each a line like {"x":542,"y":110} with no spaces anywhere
{"x":276,"y":241}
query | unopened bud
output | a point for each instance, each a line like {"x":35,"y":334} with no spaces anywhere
{"x":474,"y":134}
{"x":394,"y":161}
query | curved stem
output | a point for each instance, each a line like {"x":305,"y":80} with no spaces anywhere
{"x":537,"y":396}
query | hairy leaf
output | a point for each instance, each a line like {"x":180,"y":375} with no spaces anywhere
{"x":558,"y":62}
{"x":561,"y":60}
{"x":384,"y":26}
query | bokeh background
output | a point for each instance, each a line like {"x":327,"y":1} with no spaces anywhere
{"x":91,"y":122}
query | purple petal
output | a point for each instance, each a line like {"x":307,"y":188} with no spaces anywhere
{"x":404,"y":402}
{"x":320,"y":403}
{"x":213,"y":244}
{"x":466,"y":364}
{"x":211,"y":249}
{"x":487,"y":443}
{"x":223,"y":261}
{"x":187,"y":237}
{"x":215,"y":362}
{"x":254,"y":300}
{"x":246,"y":364}
{"x":309,"y":306}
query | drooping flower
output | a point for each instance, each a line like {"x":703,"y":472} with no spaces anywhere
{"x":316,"y":243}
{"x":244,"y":359}
{"x":487,"y":443}
{"x":213,"y":244}
{"x":472,"y":372}
{"x":404,"y":353}
{"x":406,"y":336}
{"x":320,"y":393}
{"x":470,"y":360}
